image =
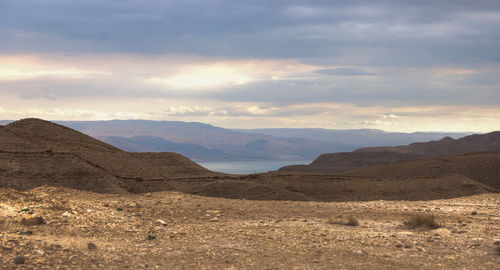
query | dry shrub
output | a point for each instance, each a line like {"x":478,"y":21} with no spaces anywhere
{"x":422,"y":221}
{"x":497,"y":249}
{"x":352,"y":222}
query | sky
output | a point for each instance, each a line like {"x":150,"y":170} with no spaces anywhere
{"x":392,"y":65}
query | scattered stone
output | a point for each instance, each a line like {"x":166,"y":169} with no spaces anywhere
{"x":161,"y":222}
{"x":399,"y":245}
{"x":359,"y":252}
{"x":475,"y":245}
{"x":91,"y":246}
{"x":67,"y":214}
{"x":214,"y":219}
{"x":473,"y":213}
{"x":211,"y":211}
{"x":32,"y":220}
{"x":26,"y":232}
{"x":441,"y":232}
{"x":151,"y":237}
{"x":19,"y":260}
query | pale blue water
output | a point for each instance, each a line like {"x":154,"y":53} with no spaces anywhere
{"x":247,"y":167}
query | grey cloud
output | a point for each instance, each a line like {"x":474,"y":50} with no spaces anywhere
{"x":401,"y":32}
{"x":344,"y":72}
{"x":397,"y":92}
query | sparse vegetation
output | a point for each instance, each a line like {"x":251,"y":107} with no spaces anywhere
{"x":352,"y":222}
{"x":497,"y":249}
{"x":422,"y":221}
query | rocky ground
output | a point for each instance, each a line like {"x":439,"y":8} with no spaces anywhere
{"x":59,"y":228}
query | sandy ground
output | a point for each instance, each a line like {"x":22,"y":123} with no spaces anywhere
{"x":172,"y":230}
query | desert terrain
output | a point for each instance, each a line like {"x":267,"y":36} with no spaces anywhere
{"x":69,"y":201}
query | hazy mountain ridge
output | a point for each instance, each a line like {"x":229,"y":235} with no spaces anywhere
{"x":352,"y":139}
{"x":204,"y":142}
{"x":244,"y":145}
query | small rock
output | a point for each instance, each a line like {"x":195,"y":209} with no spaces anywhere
{"x":161,"y":222}
{"x":441,"y":232}
{"x":359,"y":252}
{"x":473,"y":213}
{"x":91,"y":246}
{"x":19,"y":260}
{"x":475,"y":245}
{"x":212,"y":211}
{"x":214,"y":219}
{"x":399,"y":245}
{"x":32,"y":220}
{"x":66,"y":214}
{"x":420,"y":249}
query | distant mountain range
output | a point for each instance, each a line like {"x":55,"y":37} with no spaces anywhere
{"x":203,"y":142}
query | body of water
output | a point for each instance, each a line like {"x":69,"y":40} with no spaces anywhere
{"x":247,"y":167}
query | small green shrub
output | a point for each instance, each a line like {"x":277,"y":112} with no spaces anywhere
{"x":421,"y":221}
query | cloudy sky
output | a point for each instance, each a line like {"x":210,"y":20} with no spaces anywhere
{"x":392,"y":65}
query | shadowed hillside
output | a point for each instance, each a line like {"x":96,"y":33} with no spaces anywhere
{"x":489,"y":142}
{"x":34,"y":152}
{"x":365,"y":157}
{"x":482,"y":167}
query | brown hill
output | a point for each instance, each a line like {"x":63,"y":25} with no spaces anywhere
{"x":35,"y":152}
{"x":338,"y":162}
{"x":366,"y":157}
{"x":489,"y":142}
{"x":323,"y":187}
{"x":481,"y":167}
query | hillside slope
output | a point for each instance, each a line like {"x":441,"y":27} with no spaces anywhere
{"x":482,"y":167}
{"x":365,"y":157}
{"x":35,"y":152}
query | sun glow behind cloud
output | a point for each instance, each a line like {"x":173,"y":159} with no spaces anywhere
{"x":239,"y":93}
{"x":202,"y":77}
{"x":15,"y":68}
